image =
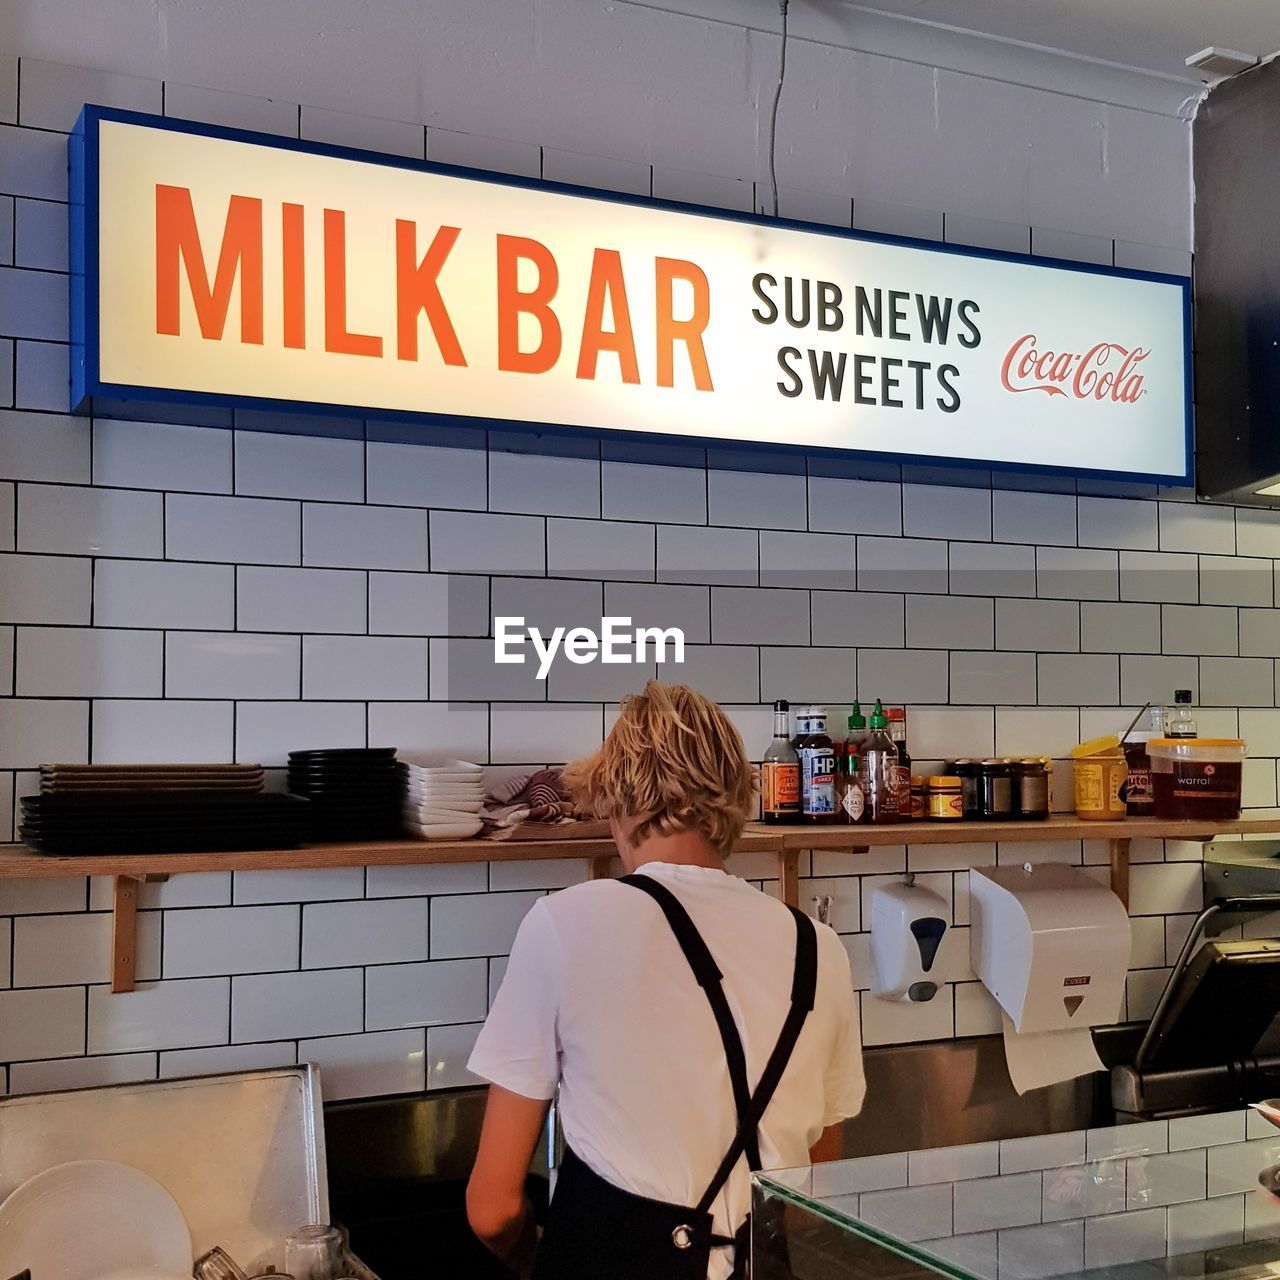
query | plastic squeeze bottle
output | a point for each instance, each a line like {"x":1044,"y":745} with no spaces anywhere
{"x":878,"y":771}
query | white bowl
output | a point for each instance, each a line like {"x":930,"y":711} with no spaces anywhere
{"x":422,"y":765}
{"x":444,"y":830}
{"x":475,"y":795}
{"x":426,"y":816}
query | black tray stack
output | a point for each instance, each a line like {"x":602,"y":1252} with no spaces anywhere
{"x":353,"y":792}
{"x":124,"y":809}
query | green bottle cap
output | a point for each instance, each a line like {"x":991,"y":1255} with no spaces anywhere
{"x":856,"y":719}
{"x":878,"y":718}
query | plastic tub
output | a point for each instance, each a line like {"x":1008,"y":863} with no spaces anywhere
{"x":1100,"y":771}
{"x":1195,"y":778}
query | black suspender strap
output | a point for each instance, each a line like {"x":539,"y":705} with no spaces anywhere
{"x":711,"y":980}
{"x":749,"y":1106}
{"x":803,"y":988}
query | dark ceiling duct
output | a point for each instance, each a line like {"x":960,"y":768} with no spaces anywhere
{"x":1237,"y":288}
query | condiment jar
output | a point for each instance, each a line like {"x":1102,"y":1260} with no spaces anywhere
{"x":917,"y":798}
{"x":995,"y":790}
{"x":969,"y":772}
{"x":1030,"y":790}
{"x":946,"y":801}
{"x":1197,"y":778}
{"x":1099,"y":769}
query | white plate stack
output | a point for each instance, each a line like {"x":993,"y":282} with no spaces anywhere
{"x":441,"y":801}
{"x":93,"y":1220}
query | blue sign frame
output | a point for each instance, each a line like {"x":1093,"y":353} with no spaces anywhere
{"x":87,"y":385}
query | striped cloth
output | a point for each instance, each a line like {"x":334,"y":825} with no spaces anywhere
{"x":531,"y":797}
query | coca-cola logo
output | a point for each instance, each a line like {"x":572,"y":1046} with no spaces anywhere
{"x":1106,"y":371}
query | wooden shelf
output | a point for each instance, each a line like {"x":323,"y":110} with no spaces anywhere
{"x":1057,"y":827}
{"x":786,"y":842}
{"x":20,"y":862}
{"x":17,"y":861}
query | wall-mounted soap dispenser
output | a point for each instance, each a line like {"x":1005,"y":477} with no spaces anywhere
{"x":907,"y":925}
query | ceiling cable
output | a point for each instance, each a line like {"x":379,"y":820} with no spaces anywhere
{"x":773,"y":113}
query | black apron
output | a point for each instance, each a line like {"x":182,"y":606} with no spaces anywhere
{"x":596,"y":1231}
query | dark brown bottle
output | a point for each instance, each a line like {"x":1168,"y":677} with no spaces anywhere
{"x":897,"y":727}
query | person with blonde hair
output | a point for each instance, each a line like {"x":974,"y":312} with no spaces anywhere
{"x":695,"y":1028}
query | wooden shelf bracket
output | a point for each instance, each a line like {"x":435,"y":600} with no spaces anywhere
{"x":1120,"y":869}
{"x":124,"y":932}
{"x":789,"y":876}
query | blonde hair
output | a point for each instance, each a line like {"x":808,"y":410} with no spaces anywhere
{"x":673,"y":760}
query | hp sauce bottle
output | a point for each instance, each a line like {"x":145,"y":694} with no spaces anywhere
{"x":817,"y":756}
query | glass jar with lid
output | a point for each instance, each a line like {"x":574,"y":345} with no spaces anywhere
{"x":969,"y":772}
{"x":995,"y":790}
{"x":1030,"y":790}
{"x":918,"y":802}
{"x":945,"y":798}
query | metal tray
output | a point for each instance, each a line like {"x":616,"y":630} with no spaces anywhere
{"x":242,"y":1154}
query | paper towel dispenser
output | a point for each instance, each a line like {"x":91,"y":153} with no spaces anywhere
{"x":1050,"y":943}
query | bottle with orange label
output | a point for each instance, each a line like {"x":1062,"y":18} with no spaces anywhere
{"x":780,"y":771}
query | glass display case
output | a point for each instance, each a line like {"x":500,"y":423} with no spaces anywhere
{"x":1183,"y":1198}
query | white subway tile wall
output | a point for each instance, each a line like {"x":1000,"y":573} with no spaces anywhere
{"x":215,"y":592}
{"x":1047,"y":1211}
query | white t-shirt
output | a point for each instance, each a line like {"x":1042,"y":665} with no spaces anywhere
{"x":599,"y":1000}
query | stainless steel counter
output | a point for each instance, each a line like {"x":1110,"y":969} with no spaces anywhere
{"x":398,"y":1166}
{"x":949,"y":1092}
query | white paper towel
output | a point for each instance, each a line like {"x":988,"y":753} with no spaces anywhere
{"x":1046,"y":1057}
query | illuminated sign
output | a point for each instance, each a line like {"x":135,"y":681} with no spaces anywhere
{"x":237,"y":269}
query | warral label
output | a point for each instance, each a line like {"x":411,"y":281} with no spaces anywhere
{"x":245,"y":270}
